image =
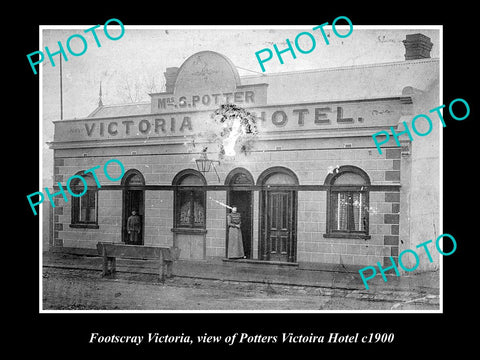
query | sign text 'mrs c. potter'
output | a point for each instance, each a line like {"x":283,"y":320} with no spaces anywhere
{"x":196,"y":100}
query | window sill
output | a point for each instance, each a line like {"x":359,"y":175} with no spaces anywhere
{"x":192,"y":231}
{"x":347,"y":236}
{"x":84,"y":226}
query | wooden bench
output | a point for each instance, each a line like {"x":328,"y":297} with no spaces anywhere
{"x":111,"y":251}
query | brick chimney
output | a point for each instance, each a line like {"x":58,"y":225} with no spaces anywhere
{"x":170,"y":78}
{"x":417,"y":46}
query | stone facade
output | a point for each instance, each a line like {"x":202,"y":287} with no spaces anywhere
{"x":311,"y":167}
{"x":308,"y":146}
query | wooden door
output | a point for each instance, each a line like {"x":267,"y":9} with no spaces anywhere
{"x":280,"y":211}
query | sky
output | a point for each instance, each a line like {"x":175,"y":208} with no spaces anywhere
{"x":132,"y":67}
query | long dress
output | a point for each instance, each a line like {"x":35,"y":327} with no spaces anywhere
{"x":235,"y":241}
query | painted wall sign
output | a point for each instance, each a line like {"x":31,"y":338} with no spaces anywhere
{"x":194,"y":83}
{"x":286,"y":118}
{"x":182,"y":102}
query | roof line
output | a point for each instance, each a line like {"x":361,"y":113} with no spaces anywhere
{"x":122,"y":104}
{"x":349,"y":67}
{"x":95,"y":111}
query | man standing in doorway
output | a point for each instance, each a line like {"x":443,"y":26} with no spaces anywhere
{"x":133,"y":228}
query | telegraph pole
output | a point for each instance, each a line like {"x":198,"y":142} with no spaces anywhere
{"x":61,"y":90}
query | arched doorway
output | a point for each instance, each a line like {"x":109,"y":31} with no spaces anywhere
{"x":133,"y":200}
{"x":278,"y":215}
{"x":239,"y":194}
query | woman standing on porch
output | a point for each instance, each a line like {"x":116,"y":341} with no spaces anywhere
{"x":235,"y":241}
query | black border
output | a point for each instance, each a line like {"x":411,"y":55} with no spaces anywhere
{"x":61,"y":335}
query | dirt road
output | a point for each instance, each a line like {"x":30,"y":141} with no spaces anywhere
{"x":74,"y":289}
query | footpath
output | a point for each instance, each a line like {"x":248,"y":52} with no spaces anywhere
{"x":417,"y":287}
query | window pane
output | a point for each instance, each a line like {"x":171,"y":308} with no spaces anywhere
{"x":190,"y":180}
{"x":357,"y":211}
{"x":134,"y":180}
{"x":184,"y":208}
{"x":280,"y":179}
{"x":91,"y":199}
{"x":83,"y":208}
{"x":190,"y":208}
{"x":348,"y":209}
{"x":198,"y":209}
{"x":349,"y":178}
{"x":86,"y":207}
{"x":75,"y":210}
{"x":340,"y":210}
{"x":334,"y":209}
{"x":91,"y":205}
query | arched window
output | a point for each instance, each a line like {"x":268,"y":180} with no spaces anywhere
{"x":189,"y":199}
{"x":84,"y":208}
{"x":347,"y":203}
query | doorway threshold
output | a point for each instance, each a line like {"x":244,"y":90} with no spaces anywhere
{"x":260,"y":262}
